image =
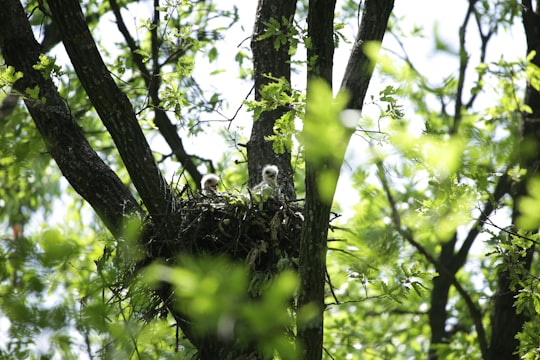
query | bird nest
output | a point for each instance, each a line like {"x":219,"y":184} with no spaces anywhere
{"x":263,"y":235}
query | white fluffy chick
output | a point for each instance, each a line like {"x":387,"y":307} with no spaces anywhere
{"x":267,"y":188}
{"x":209,"y":184}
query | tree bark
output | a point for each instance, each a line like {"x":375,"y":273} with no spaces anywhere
{"x":360,"y":68}
{"x":506,"y":322}
{"x":64,"y":139}
{"x":267,"y":60}
{"x":113,"y":107}
{"x":439,"y":299}
{"x":453,"y":261}
{"x":313,"y":247}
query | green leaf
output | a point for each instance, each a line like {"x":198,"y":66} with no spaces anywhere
{"x":8,"y":76}
{"x":212,"y":54}
{"x":33,"y":93}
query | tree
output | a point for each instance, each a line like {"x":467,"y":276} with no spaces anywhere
{"x":427,"y":198}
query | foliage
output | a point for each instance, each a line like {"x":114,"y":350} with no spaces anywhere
{"x":213,"y":292}
{"x":433,"y":150}
{"x":279,"y":94}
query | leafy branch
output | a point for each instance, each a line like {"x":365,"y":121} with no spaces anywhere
{"x":443,"y":270}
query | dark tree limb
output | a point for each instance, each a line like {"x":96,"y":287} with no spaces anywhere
{"x":448,"y":257}
{"x":8,"y":105}
{"x":51,"y":38}
{"x":313,"y":245}
{"x":463,"y":61}
{"x":64,"y":139}
{"x":502,"y":188}
{"x":113,"y":107}
{"x":267,"y":60}
{"x":453,"y":261}
{"x":360,"y":68}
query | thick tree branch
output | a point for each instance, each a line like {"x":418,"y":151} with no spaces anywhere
{"x":506,"y":321}
{"x":463,"y":61}
{"x":313,"y":244}
{"x":64,"y":139}
{"x":454,"y":262}
{"x":51,"y":38}
{"x":484,"y":38}
{"x":113,"y":107}
{"x":360,"y":67}
{"x":502,"y":188}
{"x":312,"y":262}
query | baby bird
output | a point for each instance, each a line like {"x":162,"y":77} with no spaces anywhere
{"x":268,"y":187}
{"x":209,"y":184}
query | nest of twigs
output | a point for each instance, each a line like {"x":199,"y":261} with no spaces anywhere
{"x":259,"y":234}
{"x":263,"y":234}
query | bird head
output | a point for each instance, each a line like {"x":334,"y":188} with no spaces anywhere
{"x":209,"y":184}
{"x":270,"y":173}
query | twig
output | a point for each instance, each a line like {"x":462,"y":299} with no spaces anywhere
{"x":329,"y":281}
{"x":327,"y":353}
{"x":510,"y":232}
{"x":240,"y":107}
{"x":376,"y":297}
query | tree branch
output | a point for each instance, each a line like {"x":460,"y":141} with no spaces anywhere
{"x":313,"y":244}
{"x":502,"y":188}
{"x":463,"y":61}
{"x":113,"y":107}
{"x":64,"y":139}
{"x":360,"y":68}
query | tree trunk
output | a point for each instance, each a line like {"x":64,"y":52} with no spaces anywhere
{"x":453,"y":261}
{"x":505,"y":321}
{"x":312,"y":263}
{"x":439,"y":299}
{"x":267,"y":60}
